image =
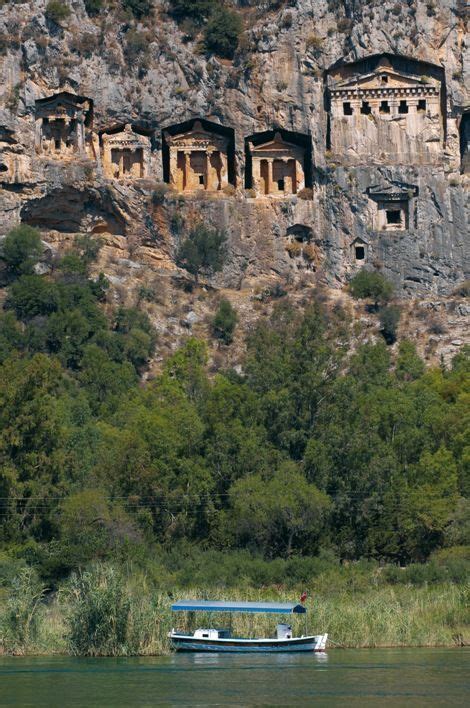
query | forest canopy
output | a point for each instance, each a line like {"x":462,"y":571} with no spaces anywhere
{"x":314,"y":448}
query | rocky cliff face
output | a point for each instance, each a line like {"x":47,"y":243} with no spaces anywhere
{"x":292,"y":58}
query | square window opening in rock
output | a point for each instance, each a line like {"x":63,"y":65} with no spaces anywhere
{"x":360,"y":253}
{"x":384,"y":107}
{"x":347,"y":109}
{"x":403,"y":107}
{"x":422,"y":104}
{"x":394,"y":217}
{"x":280,"y":185}
{"x":365,"y":108}
{"x":201,"y":180}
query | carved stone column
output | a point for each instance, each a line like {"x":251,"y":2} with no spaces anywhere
{"x":256,"y":174}
{"x":208,"y":176}
{"x":38,"y":134}
{"x":173,"y":176}
{"x":269,"y":176}
{"x":187,"y":169}
{"x":294,"y":176}
{"x":80,"y":132}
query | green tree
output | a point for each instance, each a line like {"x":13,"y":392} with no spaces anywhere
{"x":203,"y":252}
{"x":282,"y":514}
{"x":409,"y":365}
{"x":21,"y":249}
{"x":92,"y":527}
{"x":33,"y":295}
{"x":225,"y":321}
{"x":222,"y":32}
{"x":371,"y":284}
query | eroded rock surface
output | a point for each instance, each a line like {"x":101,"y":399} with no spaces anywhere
{"x":387,"y":186}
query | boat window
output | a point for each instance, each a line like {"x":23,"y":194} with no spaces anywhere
{"x":205,"y":635}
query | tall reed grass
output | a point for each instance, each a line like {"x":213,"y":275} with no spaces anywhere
{"x":102,"y":611}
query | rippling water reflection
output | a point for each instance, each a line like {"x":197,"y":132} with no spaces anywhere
{"x":390,"y":677}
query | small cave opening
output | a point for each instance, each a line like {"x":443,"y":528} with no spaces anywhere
{"x":360,"y":253}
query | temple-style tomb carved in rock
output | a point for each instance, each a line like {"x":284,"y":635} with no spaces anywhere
{"x":198,"y":155}
{"x":392,"y":207}
{"x":386,"y":109}
{"x":125,"y":153}
{"x":359,"y":250}
{"x":275,"y":163}
{"x":62,"y":121}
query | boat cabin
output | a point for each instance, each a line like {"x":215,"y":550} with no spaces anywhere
{"x":212,"y":634}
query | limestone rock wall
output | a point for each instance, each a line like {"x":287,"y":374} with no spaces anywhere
{"x":278,"y":79}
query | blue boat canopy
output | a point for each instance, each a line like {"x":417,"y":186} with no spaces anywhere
{"x":222,"y":606}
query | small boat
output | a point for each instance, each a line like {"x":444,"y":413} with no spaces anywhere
{"x":221,"y":640}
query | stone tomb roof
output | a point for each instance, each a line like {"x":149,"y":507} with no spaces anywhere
{"x":392,"y":192}
{"x":197,"y":138}
{"x":125,"y":138}
{"x":64,"y":104}
{"x":385,"y":81}
{"x":276,"y":147}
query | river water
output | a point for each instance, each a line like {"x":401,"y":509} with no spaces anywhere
{"x":371,"y":677}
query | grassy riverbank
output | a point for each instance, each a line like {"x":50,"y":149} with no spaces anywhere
{"x":105,"y":611}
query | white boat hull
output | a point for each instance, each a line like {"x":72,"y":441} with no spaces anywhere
{"x":185,"y":642}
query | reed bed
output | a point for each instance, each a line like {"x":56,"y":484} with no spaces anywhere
{"x":105,"y":613}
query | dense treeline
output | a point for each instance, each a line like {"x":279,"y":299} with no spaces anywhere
{"x":316,"y":449}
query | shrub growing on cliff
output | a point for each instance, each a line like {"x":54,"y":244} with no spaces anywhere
{"x":222,"y":33}
{"x":196,"y":10}
{"x":94,"y":7}
{"x":139,"y":8}
{"x":21,"y":249}
{"x":225,"y":321}
{"x":389,"y":318}
{"x":203,"y":252}
{"x":370,"y":284}
{"x":57,"y":11}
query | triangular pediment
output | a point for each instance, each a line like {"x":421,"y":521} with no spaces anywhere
{"x":383,"y":78}
{"x":276,"y":144}
{"x":126,"y":137}
{"x":197,"y":135}
{"x":392,"y":192}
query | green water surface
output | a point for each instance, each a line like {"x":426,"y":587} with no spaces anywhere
{"x":381,"y":677}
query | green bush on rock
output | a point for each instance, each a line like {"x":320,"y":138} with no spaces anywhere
{"x":21,"y":249}
{"x":222,"y":33}
{"x":225,"y":321}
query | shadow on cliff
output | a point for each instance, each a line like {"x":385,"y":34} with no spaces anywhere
{"x":72,"y":210}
